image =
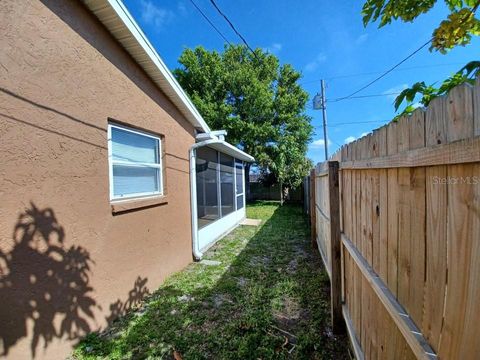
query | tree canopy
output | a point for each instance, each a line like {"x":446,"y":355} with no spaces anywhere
{"x":257,"y":100}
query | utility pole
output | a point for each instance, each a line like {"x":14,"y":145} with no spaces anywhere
{"x":319,"y":102}
{"x":324,"y":112}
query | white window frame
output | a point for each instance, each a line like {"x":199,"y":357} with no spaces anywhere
{"x":237,"y":195}
{"x":112,"y":162}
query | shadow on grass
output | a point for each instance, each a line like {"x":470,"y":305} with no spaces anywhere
{"x":269,"y":298}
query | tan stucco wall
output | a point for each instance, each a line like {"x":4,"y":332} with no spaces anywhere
{"x":66,"y":263}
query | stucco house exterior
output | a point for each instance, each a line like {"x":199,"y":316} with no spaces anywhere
{"x":110,"y":178}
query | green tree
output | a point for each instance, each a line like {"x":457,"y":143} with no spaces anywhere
{"x":258,"y":101}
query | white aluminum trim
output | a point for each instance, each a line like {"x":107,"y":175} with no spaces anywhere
{"x":231,"y":150}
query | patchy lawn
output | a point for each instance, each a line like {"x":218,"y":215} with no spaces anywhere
{"x":268,"y":299}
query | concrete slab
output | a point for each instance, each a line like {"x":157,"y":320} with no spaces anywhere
{"x":210,"y":262}
{"x":251,"y":222}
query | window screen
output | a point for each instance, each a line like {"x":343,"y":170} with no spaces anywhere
{"x":207,"y":186}
{"x":220,"y":185}
{"x":227,"y":184}
{"x":239,"y":183}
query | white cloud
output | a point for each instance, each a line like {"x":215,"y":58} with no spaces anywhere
{"x":154,"y":15}
{"x":182,"y":9}
{"x":320,"y":143}
{"x":313,"y":65}
{"x":275,"y":48}
{"x":395,"y":90}
{"x":353,"y":138}
{"x":361,"y":39}
{"x":350,"y":139}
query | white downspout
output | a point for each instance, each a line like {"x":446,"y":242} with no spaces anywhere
{"x":197,"y":254}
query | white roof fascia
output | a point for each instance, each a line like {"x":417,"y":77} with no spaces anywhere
{"x":229,"y":149}
{"x":119,"y":22}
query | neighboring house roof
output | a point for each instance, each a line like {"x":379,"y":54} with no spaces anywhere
{"x":116,"y":18}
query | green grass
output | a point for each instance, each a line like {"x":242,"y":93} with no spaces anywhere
{"x":269,"y":299}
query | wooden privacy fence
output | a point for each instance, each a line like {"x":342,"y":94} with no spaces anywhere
{"x":396,"y":217}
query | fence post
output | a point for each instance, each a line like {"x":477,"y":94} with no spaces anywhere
{"x":313,"y":213}
{"x":335,"y":248}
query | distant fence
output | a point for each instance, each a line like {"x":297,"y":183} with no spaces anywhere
{"x":259,"y":191}
{"x":397,"y":221}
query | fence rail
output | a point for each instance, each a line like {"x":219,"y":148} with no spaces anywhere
{"x":396,"y":217}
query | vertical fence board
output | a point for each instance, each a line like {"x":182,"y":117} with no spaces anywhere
{"x":335,"y":248}
{"x":417,"y":220}
{"x":357,"y":278}
{"x":470,"y":345}
{"x":403,"y":134}
{"x":436,"y":250}
{"x":404,"y":235}
{"x":382,"y":207}
{"x":313,"y":209}
{"x":383,"y":225}
{"x":476,"y":108}
{"x":436,"y":229}
{"x":435,"y":122}
{"x":347,"y":203}
{"x":404,"y":228}
{"x":368,"y":216}
{"x":375,"y":216}
{"x":392,"y":212}
{"x":355,"y":202}
{"x":460,"y":113}
{"x":460,"y":242}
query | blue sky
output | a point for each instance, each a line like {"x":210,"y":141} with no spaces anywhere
{"x":322,"y":39}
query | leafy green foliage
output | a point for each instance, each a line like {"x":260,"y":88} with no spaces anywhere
{"x":268,"y":281}
{"x":427,"y":93}
{"x":388,"y":10}
{"x":456,"y":30}
{"x":258,"y":101}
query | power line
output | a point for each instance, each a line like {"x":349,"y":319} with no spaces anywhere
{"x":385,"y":73}
{"x":379,"y":72}
{"x":354,"y":123}
{"x":473,"y":10}
{"x":233,"y":27}
{"x":358,"y":122}
{"x":211,"y":24}
{"x":310,"y":107}
{"x":364,"y":96}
